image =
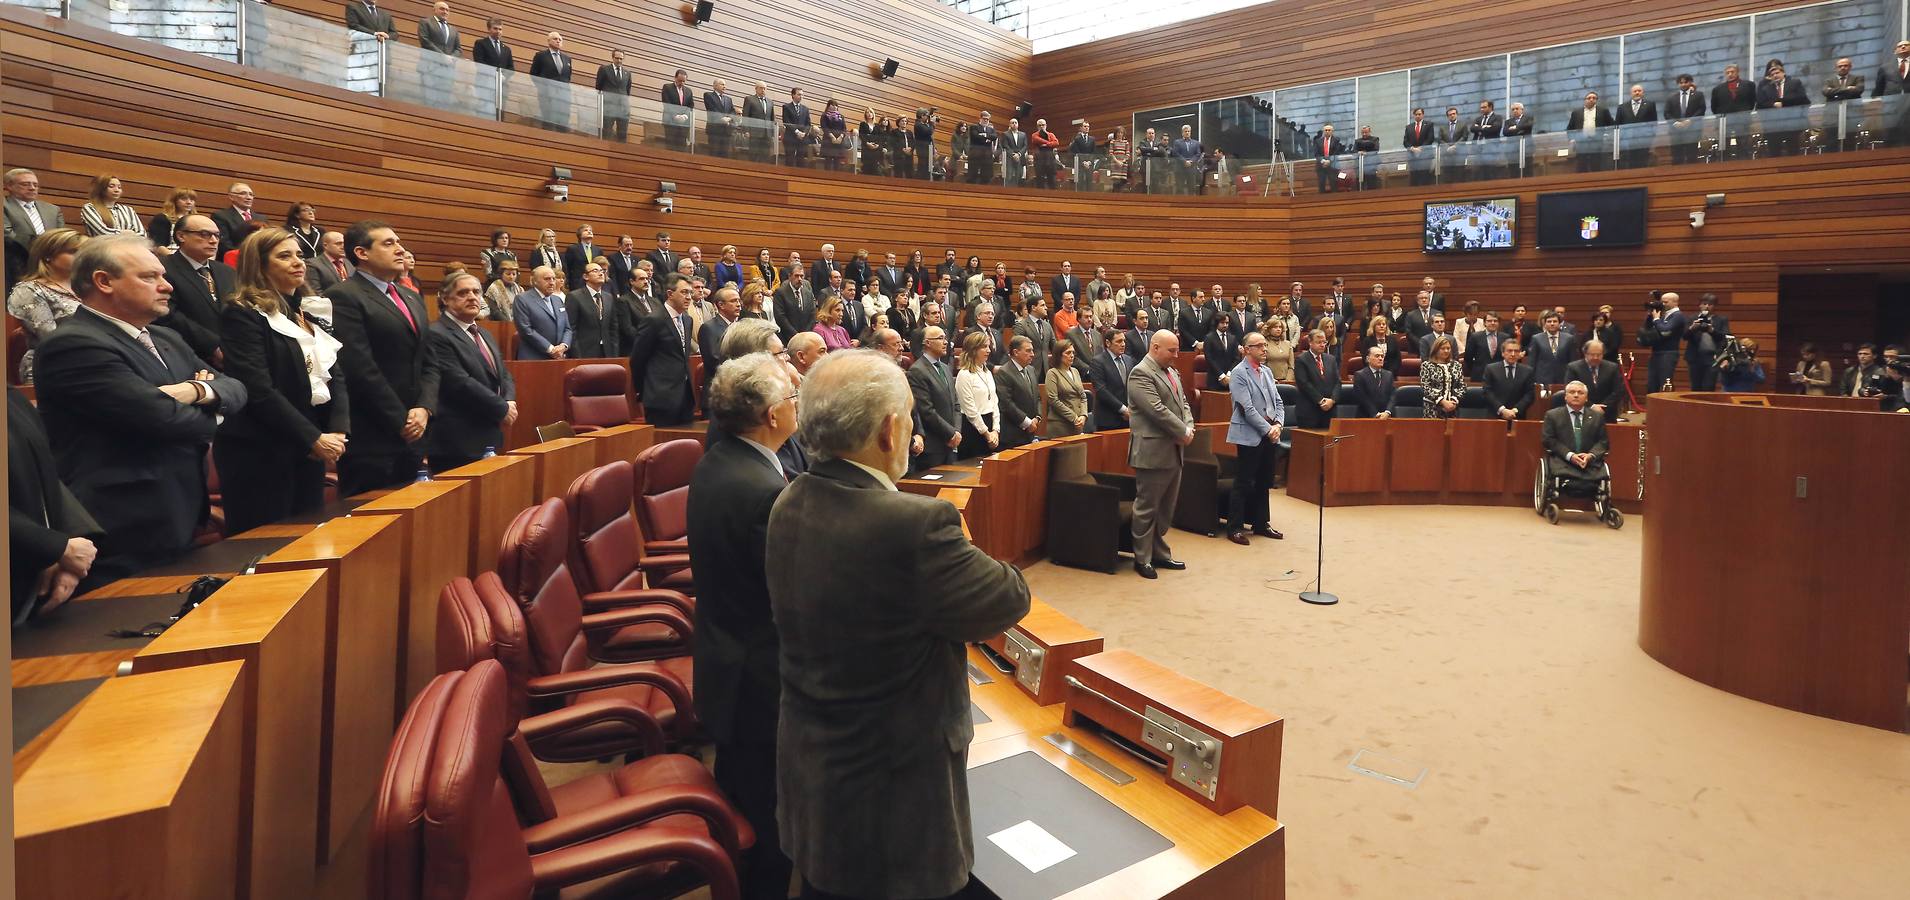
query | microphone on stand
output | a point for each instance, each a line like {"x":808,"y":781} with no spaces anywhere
{"x":1318,"y":596}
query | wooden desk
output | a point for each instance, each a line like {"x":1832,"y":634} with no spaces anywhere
{"x":620,"y":442}
{"x":275,"y":625}
{"x":437,"y":520}
{"x":540,"y":395}
{"x":1058,"y":639}
{"x":559,"y":462}
{"x":1805,"y":605}
{"x":362,"y":555}
{"x":505,"y":485}
{"x":139,"y":795}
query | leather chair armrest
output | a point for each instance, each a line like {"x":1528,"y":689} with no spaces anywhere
{"x":585,"y":429}
{"x":654,"y":613}
{"x":604,"y":601}
{"x":1125,"y":483}
{"x":630,"y":849}
{"x":635,"y":810}
{"x":677,"y":545}
{"x":558,"y":723}
{"x":597,"y":678}
{"x":666,"y":561}
{"x":1079,"y":501}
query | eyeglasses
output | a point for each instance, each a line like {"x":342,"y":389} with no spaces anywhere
{"x":200,"y":232}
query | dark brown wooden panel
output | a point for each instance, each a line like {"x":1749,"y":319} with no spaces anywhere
{"x":829,"y":48}
{"x":1298,"y":42}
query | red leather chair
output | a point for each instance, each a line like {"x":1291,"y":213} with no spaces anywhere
{"x":563,"y":641}
{"x":607,"y":559}
{"x":663,"y":494}
{"x":596,"y":396}
{"x":451,"y":824}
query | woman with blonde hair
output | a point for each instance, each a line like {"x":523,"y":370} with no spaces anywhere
{"x":271,"y":455}
{"x":181,"y":203}
{"x":1279,"y":349}
{"x":44,"y":298}
{"x":754,"y":296}
{"x":975,"y":398}
{"x":1442,"y":380}
{"x":829,"y":325}
{"x":103,"y":213}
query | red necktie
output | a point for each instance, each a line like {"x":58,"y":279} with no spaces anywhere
{"x":245,"y":214}
{"x":391,"y":290}
{"x":338,"y":265}
{"x":483,"y":350}
{"x":1319,"y":363}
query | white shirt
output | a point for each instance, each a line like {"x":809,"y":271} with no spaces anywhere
{"x":975,"y":394}
{"x":320,"y":350}
{"x":767,"y":453}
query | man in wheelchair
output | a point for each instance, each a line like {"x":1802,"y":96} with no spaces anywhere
{"x":1574,"y":464}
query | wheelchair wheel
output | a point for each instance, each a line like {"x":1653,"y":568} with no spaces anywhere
{"x":1552,"y":513}
{"x":1613,"y":518}
{"x":1539,"y":486}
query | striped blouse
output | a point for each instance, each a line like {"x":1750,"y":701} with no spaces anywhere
{"x":119,"y":219}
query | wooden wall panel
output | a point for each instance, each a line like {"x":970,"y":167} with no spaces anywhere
{"x":826,"y":47}
{"x":81,"y":102}
{"x":1298,"y":42}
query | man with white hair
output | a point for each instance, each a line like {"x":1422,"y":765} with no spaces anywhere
{"x":881,"y":734}
{"x":1161,"y":426}
{"x":805,"y":350}
{"x":821,"y":270}
{"x":735,"y":484}
{"x":1574,"y":436}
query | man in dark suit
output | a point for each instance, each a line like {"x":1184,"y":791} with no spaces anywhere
{"x":477,"y":398}
{"x":795,"y":305}
{"x":663,"y":258}
{"x":1893,"y":77}
{"x":823,"y":270}
{"x":637,"y":304}
{"x":237,"y":222}
{"x":1196,"y":321}
{"x":491,"y":50}
{"x":1107,"y":371}
{"x":365,"y":17}
{"x":1582,"y":126}
{"x":1509,"y":385}
{"x":51,"y":535}
{"x":27,"y":217}
{"x":759,"y":122}
{"x":129,"y":408}
{"x":543,"y":324}
{"x":623,"y":264}
{"x":881,"y":734}
{"x":985,"y":324}
{"x":441,"y":43}
{"x":1683,"y":108}
{"x":1704,"y":337}
{"x":1036,"y":327}
{"x":889,"y":278}
{"x":1551,"y":349}
{"x":932,"y":381}
{"x":738,"y":689}
{"x":719,"y":119}
{"x":1574,"y":438}
{"x":1065,"y":283}
{"x":1779,"y":91}
{"x":595,"y":325}
{"x":1602,"y":380}
{"x":1316,"y":373}
{"x":551,"y":66}
{"x":1373,"y":387}
{"x":660,"y":361}
{"x":329,"y":267}
{"x":613,"y":85}
{"x":1637,"y":145}
{"x":1015,"y":384}
{"x":679,"y":112}
{"x":1517,"y":126}
{"x":201,"y":285}
{"x":796,"y":129}
{"x":579,"y":255}
{"x":1483,"y":345}
{"x":1324,"y":149}
{"x":1417,"y":137}
{"x":1666,"y":330}
{"x":1141,"y":331}
{"x":1417,"y":323}
{"x":393,"y":382}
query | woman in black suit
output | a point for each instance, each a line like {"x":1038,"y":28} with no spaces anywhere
{"x":271,"y":455}
{"x":1380,"y":334}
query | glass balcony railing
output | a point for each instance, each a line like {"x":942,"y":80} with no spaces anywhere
{"x":268,"y":38}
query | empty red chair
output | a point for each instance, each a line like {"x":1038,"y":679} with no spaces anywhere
{"x":663,"y":494}
{"x":450,"y":823}
{"x":563,"y":641}
{"x":609,"y":566}
{"x":597,"y":396}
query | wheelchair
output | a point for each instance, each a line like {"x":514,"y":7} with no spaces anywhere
{"x":1550,"y":493}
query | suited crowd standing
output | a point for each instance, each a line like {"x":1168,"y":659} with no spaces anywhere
{"x":132,"y":455}
{"x":393,"y":388}
{"x":874,"y":593}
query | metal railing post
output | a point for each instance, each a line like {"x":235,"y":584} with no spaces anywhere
{"x":383,"y":89}
{"x":238,"y":40}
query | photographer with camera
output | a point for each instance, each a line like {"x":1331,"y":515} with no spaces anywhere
{"x":1896,"y":383}
{"x":1662,"y":331}
{"x":1704,"y":337}
{"x":1743,"y":373}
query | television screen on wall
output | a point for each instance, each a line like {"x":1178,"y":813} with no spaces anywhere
{"x":1613,"y":218}
{"x":1464,"y":226}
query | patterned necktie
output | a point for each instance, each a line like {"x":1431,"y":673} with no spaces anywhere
{"x":205,"y":273}
{"x":483,"y":349}
{"x":338,"y":265}
{"x":146,"y":341}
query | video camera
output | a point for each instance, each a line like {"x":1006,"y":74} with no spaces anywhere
{"x":1656,"y":303}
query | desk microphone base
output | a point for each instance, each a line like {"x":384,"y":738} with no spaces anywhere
{"x":1319,"y":598}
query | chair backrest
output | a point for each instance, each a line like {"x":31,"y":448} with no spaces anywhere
{"x":479,"y":620}
{"x":1409,"y":401}
{"x":1069,"y":462}
{"x":555,"y":430}
{"x":604,"y":549}
{"x":445,"y":826}
{"x":1289,"y":403}
{"x":661,"y":492}
{"x":532,"y":567}
{"x":1473,"y":404}
{"x":597,"y":394}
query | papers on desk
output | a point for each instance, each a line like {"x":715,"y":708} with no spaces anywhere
{"x":929,"y":476}
{"x":1031,"y":845}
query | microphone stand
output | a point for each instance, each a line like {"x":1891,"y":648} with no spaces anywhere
{"x":1318,"y":596}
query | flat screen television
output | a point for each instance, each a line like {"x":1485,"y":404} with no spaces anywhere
{"x":1611,"y":218}
{"x":1465,"y":226}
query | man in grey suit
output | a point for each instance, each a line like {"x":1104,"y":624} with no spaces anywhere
{"x":933,"y":384}
{"x":330,"y":266}
{"x":874,"y":592}
{"x":1020,"y":394}
{"x":543,"y":328}
{"x":27,"y":217}
{"x":1161,"y":426}
{"x":441,"y":43}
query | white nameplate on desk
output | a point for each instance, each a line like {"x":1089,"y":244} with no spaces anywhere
{"x":1031,"y":845}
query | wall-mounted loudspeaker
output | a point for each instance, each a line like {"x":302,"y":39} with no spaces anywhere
{"x":704,"y":9}
{"x":1023,"y":110}
{"x":889,"y":67}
